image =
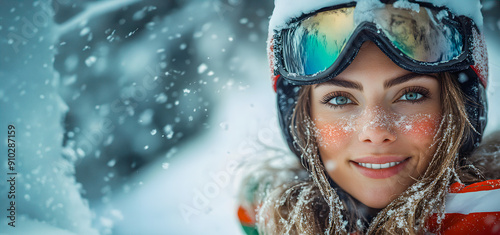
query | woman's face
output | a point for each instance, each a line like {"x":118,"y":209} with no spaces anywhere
{"x":375,"y":126}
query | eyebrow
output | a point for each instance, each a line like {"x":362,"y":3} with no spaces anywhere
{"x":387,"y":84}
{"x":342,"y":83}
{"x":405,"y":78}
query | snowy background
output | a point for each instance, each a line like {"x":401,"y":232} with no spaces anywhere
{"x":132,"y":117}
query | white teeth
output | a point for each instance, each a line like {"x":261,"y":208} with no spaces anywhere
{"x":386,"y":165}
{"x":379,"y":166}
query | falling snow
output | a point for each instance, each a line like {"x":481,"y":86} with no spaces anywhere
{"x":168,"y":131}
{"x":202,"y":68}
{"x":90,"y":61}
{"x":140,"y":101}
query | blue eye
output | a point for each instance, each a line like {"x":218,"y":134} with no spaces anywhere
{"x":337,"y":99}
{"x":411,"y":96}
{"x":340,"y":100}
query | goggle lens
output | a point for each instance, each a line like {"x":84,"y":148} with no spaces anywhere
{"x":313,"y":46}
{"x":423,"y":36}
{"x":316,"y":43}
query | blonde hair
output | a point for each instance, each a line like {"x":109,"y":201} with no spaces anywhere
{"x":313,"y":206}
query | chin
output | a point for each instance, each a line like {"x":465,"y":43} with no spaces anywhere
{"x":375,"y":202}
{"x":377,"y":199}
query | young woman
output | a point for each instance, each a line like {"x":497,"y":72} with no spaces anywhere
{"x":384,"y":104}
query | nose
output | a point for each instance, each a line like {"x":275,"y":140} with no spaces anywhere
{"x":377,"y":128}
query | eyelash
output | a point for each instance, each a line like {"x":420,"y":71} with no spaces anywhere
{"x":326,"y":100}
{"x":420,"y":90}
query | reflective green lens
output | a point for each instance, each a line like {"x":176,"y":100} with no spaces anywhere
{"x":428,"y":36}
{"x":423,"y":36}
{"x":313,"y":46}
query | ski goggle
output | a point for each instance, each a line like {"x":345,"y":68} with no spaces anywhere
{"x":320,"y":46}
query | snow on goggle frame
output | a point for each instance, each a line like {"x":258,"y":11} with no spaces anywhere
{"x":320,"y":46}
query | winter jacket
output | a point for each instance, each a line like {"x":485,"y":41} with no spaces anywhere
{"x":473,"y":209}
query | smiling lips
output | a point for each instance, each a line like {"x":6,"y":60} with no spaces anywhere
{"x":380,"y":167}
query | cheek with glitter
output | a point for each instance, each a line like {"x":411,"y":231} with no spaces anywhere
{"x":333,"y":133}
{"x":420,"y":125}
